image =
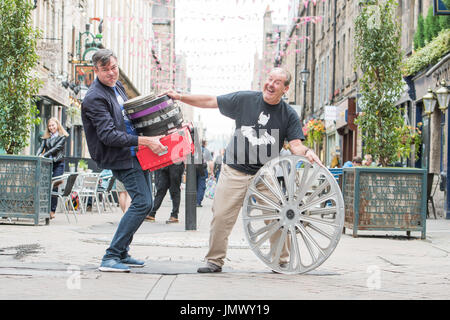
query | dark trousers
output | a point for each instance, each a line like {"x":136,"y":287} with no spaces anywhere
{"x":201,"y":186}
{"x":58,"y":170}
{"x":138,"y":184}
{"x":168,"y":178}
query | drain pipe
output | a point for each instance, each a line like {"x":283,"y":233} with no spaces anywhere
{"x":333,"y":85}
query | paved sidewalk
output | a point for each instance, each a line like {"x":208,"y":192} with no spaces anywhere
{"x":60,"y":261}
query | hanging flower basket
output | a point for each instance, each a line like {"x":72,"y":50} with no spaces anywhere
{"x":314,"y":132}
{"x":410,"y":138}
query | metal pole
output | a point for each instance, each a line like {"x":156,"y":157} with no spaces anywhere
{"x":191,"y":196}
{"x":191,"y":187}
{"x":447,"y":167}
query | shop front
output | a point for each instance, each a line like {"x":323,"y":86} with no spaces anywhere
{"x":52,"y":100}
{"x":347,"y":129}
{"x":432,"y":92}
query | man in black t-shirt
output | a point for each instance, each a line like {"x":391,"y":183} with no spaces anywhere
{"x":263,"y":122}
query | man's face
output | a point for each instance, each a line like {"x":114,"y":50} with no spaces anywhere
{"x":109,"y":73}
{"x":274,"y":87}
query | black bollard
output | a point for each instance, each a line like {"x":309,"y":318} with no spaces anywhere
{"x":191,"y":195}
{"x":191,"y":184}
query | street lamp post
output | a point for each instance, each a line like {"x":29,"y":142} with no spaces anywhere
{"x":429,"y":102}
{"x":442,"y":98}
{"x":304,"y":74}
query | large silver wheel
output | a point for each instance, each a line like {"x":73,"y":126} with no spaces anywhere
{"x":293,"y":223}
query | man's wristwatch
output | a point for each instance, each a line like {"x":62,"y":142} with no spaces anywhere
{"x":307,"y":149}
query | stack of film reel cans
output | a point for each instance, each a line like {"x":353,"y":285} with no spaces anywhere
{"x":155,"y":116}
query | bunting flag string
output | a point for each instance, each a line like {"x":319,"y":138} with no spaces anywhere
{"x":200,"y":49}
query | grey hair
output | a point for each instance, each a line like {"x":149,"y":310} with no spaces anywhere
{"x":286,"y":73}
{"x":103,"y":56}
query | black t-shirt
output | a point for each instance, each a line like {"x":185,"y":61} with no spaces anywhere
{"x":261,"y":129}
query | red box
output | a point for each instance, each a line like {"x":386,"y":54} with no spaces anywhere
{"x":180,"y":145}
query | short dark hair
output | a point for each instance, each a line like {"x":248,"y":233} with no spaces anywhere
{"x":103,"y":56}
{"x":357,"y":160}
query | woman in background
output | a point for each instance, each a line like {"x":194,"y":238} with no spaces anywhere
{"x":52,"y":146}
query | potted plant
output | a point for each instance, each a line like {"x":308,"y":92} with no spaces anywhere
{"x":71,"y":167}
{"x":26,"y":180}
{"x":82,"y":165}
{"x":383,"y":198}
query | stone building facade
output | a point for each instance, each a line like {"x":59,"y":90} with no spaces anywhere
{"x":140,"y":33}
{"x":328,"y":55}
{"x":320,"y":39}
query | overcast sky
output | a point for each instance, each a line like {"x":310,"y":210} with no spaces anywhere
{"x":220,"y":38}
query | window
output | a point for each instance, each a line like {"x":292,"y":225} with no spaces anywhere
{"x":316,"y":91}
{"x":322,"y":84}
{"x":160,"y":12}
{"x":329,"y":13}
{"x":323,"y":20}
{"x":327,"y":80}
{"x":343,"y":61}
{"x":338,"y":70}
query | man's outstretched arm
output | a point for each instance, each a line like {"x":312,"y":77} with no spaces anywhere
{"x":196,"y":100}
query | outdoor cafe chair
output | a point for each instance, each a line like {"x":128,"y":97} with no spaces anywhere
{"x":90,"y":189}
{"x":107,"y":193}
{"x":67,"y":182}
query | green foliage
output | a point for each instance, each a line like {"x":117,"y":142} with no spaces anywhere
{"x":447,"y":3}
{"x":444,"y":21}
{"x":432,"y":26}
{"x":419,"y":37}
{"x":428,"y":55}
{"x":378,"y":55}
{"x":82,"y":164}
{"x":18,"y":86}
{"x":409,"y":137}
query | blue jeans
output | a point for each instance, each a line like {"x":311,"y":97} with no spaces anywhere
{"x":138,"y":184}
{"x":201,"y":186}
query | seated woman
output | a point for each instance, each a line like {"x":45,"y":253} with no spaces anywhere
{"x":52,"y":146}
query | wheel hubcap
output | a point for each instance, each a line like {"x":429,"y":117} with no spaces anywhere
{"x":305,"y":214}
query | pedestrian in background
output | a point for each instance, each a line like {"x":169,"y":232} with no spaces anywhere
{"x":53,"y":146}
{"x":368,"y":161}
{"x":168,"y":178}
{"x":335,"y":162}
{"x":218,"y":164}
{"x":357,"y":161}
{"x":124,"y":198}
{"x":280,"y":177}
{"x":111,"y":139}
{"x":202,"y":172}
